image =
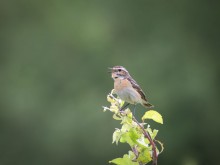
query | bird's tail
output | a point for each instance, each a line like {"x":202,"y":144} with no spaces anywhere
{"x":147,"y":105}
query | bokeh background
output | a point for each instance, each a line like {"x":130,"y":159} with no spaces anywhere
{"x":54,"y":57}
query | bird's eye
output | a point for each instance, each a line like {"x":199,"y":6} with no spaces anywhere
{"x":119,"y":70}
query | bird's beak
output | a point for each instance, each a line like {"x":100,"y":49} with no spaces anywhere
{"x":110,"y":70}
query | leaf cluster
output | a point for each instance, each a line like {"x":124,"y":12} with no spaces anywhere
{"x":139,"y":136}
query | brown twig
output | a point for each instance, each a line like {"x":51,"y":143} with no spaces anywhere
{"x":146,"y":134}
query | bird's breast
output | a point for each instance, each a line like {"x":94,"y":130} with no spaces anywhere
{"x":126,"y":92}
{"x":120,"y":84}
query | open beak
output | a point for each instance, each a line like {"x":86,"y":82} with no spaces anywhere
{"x":110,"y":70}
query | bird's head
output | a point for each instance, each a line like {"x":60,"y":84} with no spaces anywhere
{"x":119,"y":72}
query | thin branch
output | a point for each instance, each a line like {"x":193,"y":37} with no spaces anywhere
{"x":134,"y":149}
{"x":146,"y":134}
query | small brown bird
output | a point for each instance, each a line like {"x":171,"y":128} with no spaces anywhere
{"x":127,"y":88}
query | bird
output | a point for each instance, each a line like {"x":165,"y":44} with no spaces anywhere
{"x":127,"y":88}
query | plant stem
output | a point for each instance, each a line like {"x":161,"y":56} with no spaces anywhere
{"x":146,"y":134}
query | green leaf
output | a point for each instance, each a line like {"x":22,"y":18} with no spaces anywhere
{"x":143,"y":142}
{"x":145,"y":156}
{"x":126,"y":160}
{"x":126,"y":127}
{"x":131,"y":155}
{"x":134,"y":135}
{"x":111,"y":99}
{"x":116,"y":136}
{"x":125,"y":138}
{"x":114,"y":108}
{"x":128,"y":117}
{"x":154,"y":134}
{"x":154,"y":115}
{"x":121,"y":102}
{"x":130,"y":137}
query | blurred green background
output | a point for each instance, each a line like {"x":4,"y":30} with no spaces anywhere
{"x":54,"y":57}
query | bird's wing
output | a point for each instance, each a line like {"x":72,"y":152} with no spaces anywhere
{"x":137,"y":87}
